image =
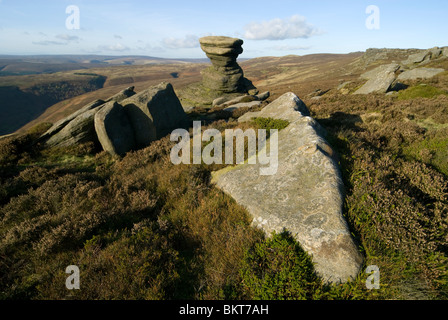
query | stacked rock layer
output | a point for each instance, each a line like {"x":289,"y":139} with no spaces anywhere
{"x":225,"y":75}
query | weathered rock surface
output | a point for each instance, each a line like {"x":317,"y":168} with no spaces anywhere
{"x":219,"y":101}
{"x":263,"y":96}
{"x":379,"y":79}
{"x":223,"y":80}
{"x":222,"y":51}
{"x":227,"y":101}
{"x":420,"y":73}
{"x":80,"y":130}
{"x":124,"y":122}
{"x":305,"y":196}
{"x":289,"y":107}
{"x":122,"y":95}
{"x":225,"y":75}
{"x":59,"y":125}
{"x":240,"y":99}
{"x":445,"y":51}
{"x":251,"y":104}
{"x":154,"y":112}
{"x":417,"y":57}
{"x":114,"y":129}
{"x":384,"y":78}
{"x":425,"y":56}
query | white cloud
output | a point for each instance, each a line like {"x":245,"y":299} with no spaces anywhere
{"x":61,"y":40}
{"x":280,"y":29}
{"x":118,"y":47}
{"x":66,"y":37}
{"x":49,"y":43}
{"x":189,"y":41}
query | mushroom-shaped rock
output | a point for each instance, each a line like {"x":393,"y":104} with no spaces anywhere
{"x":225,"y":75}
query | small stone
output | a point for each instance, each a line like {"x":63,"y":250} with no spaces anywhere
{"x":244,"y":105}
{"x":263,"y":96}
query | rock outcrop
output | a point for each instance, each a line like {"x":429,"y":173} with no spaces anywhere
{"x":154,"y":113}
{"x":420,"y":73}
{"x":64,"y":137}
{"x":386,"y":78}
{"x":425,"y":56}
{"x":225,"y":75}
{"x":122,"y":95}
{"x":379,"y":79}
{"x":224,"y":78}
{"x":305,"y":196}
{"x":124,"y":122}
{"x":114,"y":130}
{"x":291,"y":107}
{"x":59,"y":125}
{"x":227,"y":101}
{"x":252,"y":104}
{"x":80,"y":130}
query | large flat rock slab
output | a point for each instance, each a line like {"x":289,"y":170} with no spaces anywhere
{"x":79,"y":130}
{"x":305,"y":196}
{"x":420,"y":73}
{"x":379,"y":79}
{"x":59,"y":125}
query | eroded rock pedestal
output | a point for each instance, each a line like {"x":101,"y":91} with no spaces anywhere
{"x":225,"y":75}
{"x":224,"y":78}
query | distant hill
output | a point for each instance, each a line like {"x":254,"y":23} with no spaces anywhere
{"x":29,"y":85}
{"x":300,"y":74}
{"x":38,"y":64}
{"x":24,"y":98}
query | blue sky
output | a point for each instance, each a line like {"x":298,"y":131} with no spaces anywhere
{"x":171,"y":29}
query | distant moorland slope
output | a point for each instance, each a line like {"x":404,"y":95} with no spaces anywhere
{"x":31,"y":84}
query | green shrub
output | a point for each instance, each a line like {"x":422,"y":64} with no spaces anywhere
{"x":420,"y":91}
{"x":270,"y":123}
{"x":15,"y":148}
{"x":39,"y":129}
{"x":433,"y":150}
{"x":278,"y":269}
